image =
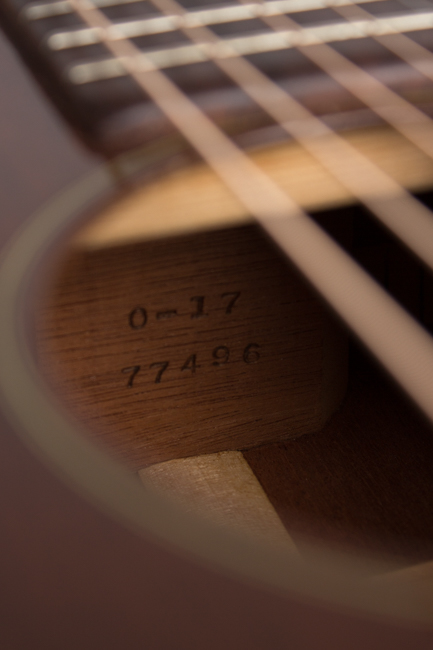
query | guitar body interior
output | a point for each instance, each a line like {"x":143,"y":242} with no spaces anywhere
{"x":191,"y":337}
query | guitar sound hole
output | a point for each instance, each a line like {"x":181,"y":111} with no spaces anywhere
{"x":207,"y":365}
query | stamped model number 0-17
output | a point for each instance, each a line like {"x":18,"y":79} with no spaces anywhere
{"x":139,"y":316}
{"x":220,"y":355}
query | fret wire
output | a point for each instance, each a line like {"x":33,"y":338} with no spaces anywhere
{"x":417,"y":56}
{"x":388,"y":200}
{"x":329,"y":32}
{"x":180,"y":55}
{"x":394,"y":336}
{"x":383,"y":196}
{"x":405,"y":118}
{"x":38,"y":10}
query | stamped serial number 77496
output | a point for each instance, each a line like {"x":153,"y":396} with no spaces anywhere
{"x":220,"y":355}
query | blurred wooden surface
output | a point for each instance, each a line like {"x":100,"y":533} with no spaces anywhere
{"x":186,"y":198}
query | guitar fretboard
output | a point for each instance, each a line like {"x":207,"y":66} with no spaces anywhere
{"x":93,"y":88}
{"x":241,"y":66}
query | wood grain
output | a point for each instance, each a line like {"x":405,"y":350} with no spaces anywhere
{"x":200,"y":344}
{"x":222,"y":489}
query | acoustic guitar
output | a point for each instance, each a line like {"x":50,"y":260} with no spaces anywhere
{"x":212,"y":458}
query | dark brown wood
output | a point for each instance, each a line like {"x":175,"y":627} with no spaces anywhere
{"x":190,"y":345}
{"x":365,"y":481}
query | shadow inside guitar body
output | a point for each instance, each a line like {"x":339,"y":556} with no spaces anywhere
{"x":205,"y":427}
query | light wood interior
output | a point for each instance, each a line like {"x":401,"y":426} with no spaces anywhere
{"x":222,"y":489}
{"x":194,"y":198}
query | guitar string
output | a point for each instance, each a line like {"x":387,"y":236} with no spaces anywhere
{"x":361,"y":176}
{"x":363,"y":179}
{"x":415,"y":125}
{"x":411,"y":122}
{"x":383,"y":196}
{"x":79,"y":37}
{"x":397,"y":340}
{"x":414,"y":54}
